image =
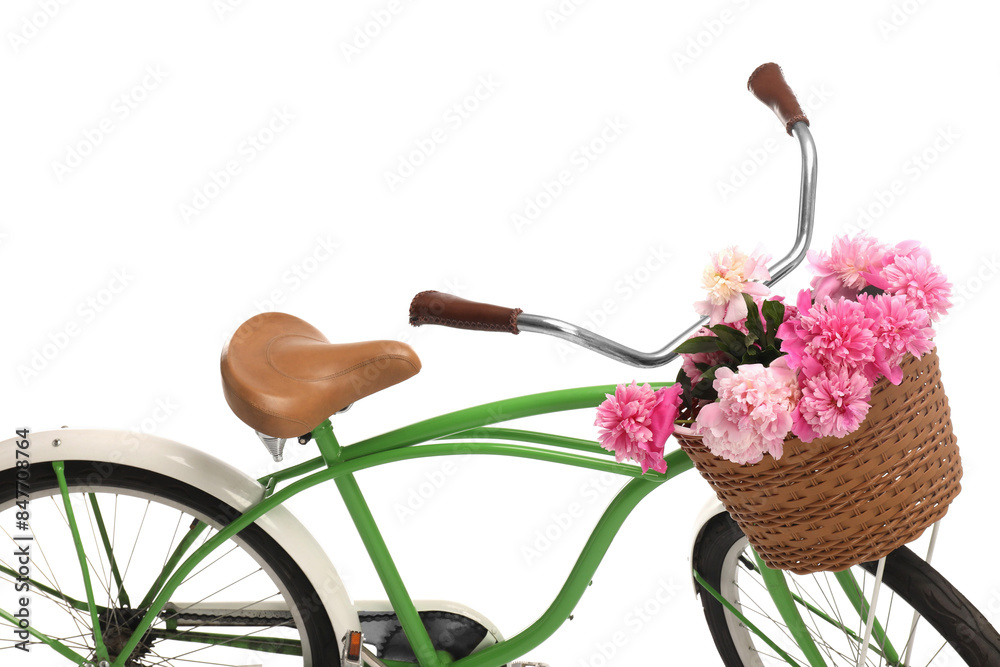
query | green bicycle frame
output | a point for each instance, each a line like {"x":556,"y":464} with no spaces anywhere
{"x":466,"y":431}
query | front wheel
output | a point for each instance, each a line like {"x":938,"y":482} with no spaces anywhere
{"x":951,"y":631}
{"x":246,"y":603}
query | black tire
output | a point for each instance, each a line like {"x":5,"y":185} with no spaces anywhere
{"x":277,"y":568}
{"x":953,"y":618}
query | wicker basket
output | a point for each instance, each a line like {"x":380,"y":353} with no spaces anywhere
{"x":836,"y":502}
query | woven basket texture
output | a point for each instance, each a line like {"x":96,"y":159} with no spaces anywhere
{"x":836,"y":502}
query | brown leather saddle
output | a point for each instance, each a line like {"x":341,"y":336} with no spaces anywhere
{"x":282,"y":377}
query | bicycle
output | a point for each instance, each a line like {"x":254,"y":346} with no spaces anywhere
{"x":228,"y":576}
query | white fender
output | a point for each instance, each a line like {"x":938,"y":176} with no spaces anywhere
{"x":708,"y":511}
{"x":215,"y":477}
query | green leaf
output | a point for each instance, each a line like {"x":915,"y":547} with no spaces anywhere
{"x":685,"y":382}
{"x":754,"y":325}
{"x":704,"y":390}
{"x":768,"y":356}
{"x":774,"y":313}
{"x":698,"y":344}
{"x":730,"y":340}
{"x":710,"y":373}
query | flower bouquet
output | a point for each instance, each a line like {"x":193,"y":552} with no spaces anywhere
{"x":822,"y":426}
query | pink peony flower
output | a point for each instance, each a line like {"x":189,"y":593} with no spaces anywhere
{"x":900,"y":328}
{"x":831,"y":334}
{"x":729,"y":275}
{"x":688,"y":361}
{"x":636,"y":421}
{"x":725,"y":438}
{"x":842,"y":272}
{"x":661,"y":423}
{"x":834,"y":402}
{"x":753,"y":414}
{"x":907,"y":270}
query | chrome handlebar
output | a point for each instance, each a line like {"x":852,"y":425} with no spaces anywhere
{"x":609,"y":348}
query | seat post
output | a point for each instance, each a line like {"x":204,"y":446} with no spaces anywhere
{"x":329,"y":448}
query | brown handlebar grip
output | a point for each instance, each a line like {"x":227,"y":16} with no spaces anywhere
{"x":451,"y":311}
{"x":769,"y":86}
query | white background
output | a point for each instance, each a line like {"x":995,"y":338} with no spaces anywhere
{"x":881,"y":80}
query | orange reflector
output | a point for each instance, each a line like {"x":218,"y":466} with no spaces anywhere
{"x":354,"y":647}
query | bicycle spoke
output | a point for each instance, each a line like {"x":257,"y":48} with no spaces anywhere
{"x":137,"y":534}
{"x":197,"y":572}
{"x":74,"y":614}
{"x":13,"y":542}
{"x":136,"y":541}
{"x":59,"y":467}
{"x":46,"y":591}
{"x":813,"y":594}
{"x":825,"y":647}
{"x":167,"y":661}
{"x":96,"y":571}
{"x":223,"y":643}
{"x":122,"y":596}
{"x":178,"y":612}
{"x":173,"y":538}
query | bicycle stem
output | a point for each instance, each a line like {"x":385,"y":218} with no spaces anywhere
{"x":609,"y":348}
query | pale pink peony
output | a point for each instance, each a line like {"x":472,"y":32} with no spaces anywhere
{"x":725,"y":438}
{"x":907,"y":270}
{"x":899,"y":328}
{"x":753,"y":413}
{"x":636,"y":421}
{"x":731,"y":274}
{"x":831,"y":334}
{"x":843,"y":271}
{"x":834,"y":403}
{"x":688,"y":361}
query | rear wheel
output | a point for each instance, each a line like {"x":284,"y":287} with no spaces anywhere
{"x":247,"y":603}
{"x":951,"y":631}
